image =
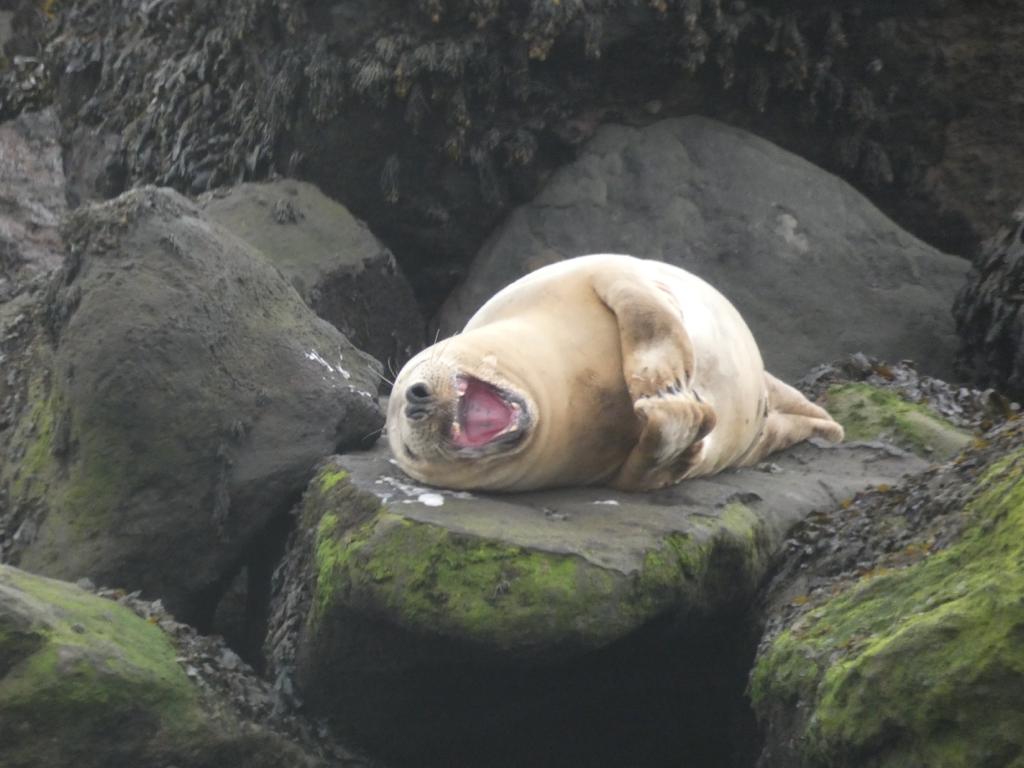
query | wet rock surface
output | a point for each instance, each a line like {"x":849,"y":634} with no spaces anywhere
{"x":814,"y":268}
{"x":344,"y":273}
{"x":484,"y":622}
{"x":184,"y":394}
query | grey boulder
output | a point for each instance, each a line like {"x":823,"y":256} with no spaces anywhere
{"x":343,"y":272}
{"x":816,"y":270}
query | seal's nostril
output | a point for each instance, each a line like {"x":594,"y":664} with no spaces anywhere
{"x":418,"y":393}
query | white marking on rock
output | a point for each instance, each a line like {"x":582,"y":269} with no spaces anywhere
{"x":415,"y":493}
{"x":786,"y":229}
{"x":317,"y":358}
{"x":609,"y":502}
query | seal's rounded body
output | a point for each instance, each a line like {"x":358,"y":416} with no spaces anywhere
{"x":600,"y":369}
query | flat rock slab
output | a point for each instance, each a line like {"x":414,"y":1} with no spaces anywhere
{"x":492,"y":626}
{"x":616,"y":530}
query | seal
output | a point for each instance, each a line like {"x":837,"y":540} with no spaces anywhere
{"x":603,"y":369}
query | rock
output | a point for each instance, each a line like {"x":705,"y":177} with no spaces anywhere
{"x":85,"y":682}
{"x":181,"y":397}
{"x":335,"y":263}
{"x":32,"y":191}
{"x":894,"y":627}
{"x":989,"y":312}
{"x":869,"y":413}
{"x":431,"y":122}
{"x":815,"y":269}
{"x":500,"y":627}
{"x":95,"y":165}
{"x":962,"y":407}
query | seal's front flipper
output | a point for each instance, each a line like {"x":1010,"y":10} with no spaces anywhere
{"x":658,"y":364}
{"x":671,"y":441}
{"x":657,"y":354}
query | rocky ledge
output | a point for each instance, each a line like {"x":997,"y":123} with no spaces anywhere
{"x":482,"y":624}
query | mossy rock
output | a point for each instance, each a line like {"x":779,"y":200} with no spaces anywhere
{"x":85,"y":682}
{"x":915,"y":666}
{"x":435,"y":608}
{"x":180,"y":395}
{"x":870,"y":413}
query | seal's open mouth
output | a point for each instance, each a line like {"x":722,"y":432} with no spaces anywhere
{"x":486,"y":415}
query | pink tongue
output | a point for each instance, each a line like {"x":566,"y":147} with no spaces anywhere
{"x":483,"y":415}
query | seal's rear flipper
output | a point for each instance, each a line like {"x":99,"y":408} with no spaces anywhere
{"x":791,"y":418}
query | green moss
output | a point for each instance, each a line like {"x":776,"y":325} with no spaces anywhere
{"x":677,"y":567}
{"x":32,"y":475}
{"x":432,"y":580}
{"x":93,"y":667}
{"x":867,"y":413}
{"x":921,"y":666}
{"x":132,"y":646}
{"x":328,"y":479}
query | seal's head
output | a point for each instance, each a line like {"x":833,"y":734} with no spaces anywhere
{"x":452,"y":416}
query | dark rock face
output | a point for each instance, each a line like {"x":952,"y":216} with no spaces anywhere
{"x":185,"y":394}
{"x":573,"y":627}
{"x":32,"y":195}
{"x":814,"y":268}
{"x":430,"y":121}
{"x":24,"y":79}
{"x":989,"y":312}
{"x":335,"y":263}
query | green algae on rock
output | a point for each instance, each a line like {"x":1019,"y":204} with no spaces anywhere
{"x":921,"y":665}
{"x":869,"y":413}
{"x":85,"y":682}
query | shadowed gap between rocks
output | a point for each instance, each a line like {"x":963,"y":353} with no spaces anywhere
{"x":237,"y":607}
{"x":672,"y":692}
